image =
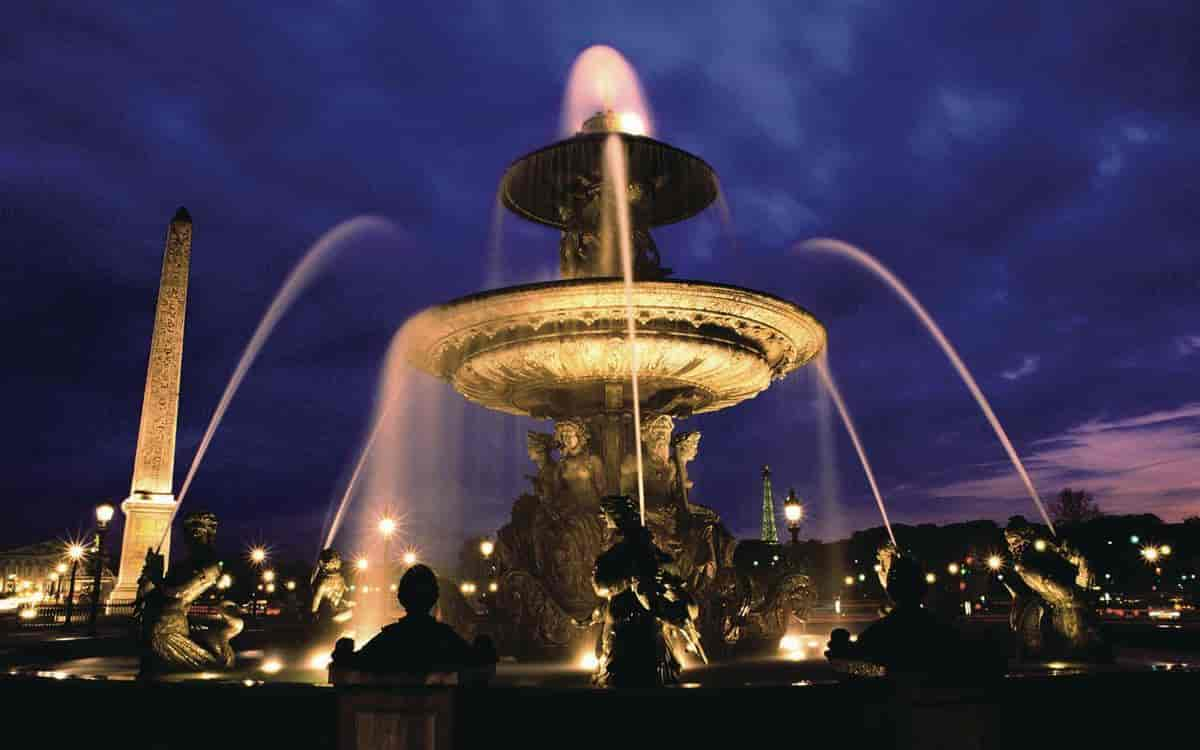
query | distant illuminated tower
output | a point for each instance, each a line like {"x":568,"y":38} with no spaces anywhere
{"x":151,"y":502}
{"x":769,"y":534}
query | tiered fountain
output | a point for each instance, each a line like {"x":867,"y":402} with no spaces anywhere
{"x":567,"y":351}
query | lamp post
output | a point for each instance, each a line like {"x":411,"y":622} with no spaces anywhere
{"x":76,"y":553}
{"x":104,"y":514}
{"x":793,"y":513}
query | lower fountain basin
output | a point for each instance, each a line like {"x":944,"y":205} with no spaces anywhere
{"x":559,"y":349}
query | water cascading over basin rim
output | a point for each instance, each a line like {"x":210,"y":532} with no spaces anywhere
{"x":676,"y":184}
{"x":549,"y":349}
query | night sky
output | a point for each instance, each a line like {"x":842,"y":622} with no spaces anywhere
{"x":1030,"y":171}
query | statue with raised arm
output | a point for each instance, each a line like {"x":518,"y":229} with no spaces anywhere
{"x":1050,"y":613}
{"x":329,"y":603}
{"x":647,"y":607}
{"x":169,"y":642}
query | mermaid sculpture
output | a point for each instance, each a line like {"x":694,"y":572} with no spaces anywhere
{"x":647,"y":607}
{"x":1050,"y":615}
{"x":169,"y":643}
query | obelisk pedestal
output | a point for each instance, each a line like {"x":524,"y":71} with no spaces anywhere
{"x":150,"y":506}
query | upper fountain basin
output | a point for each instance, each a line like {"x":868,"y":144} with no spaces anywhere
{"x":671,"y":184}
{"x":559,"y":349}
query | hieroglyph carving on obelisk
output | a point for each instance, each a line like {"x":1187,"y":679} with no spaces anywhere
{"x":150,"y":505}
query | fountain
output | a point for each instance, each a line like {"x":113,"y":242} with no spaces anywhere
{"x":614,"y":362}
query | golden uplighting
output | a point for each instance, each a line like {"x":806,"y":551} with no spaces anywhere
{"x":588,"y":662}
{"x":319,"y":660}
{"x":272,"y":666}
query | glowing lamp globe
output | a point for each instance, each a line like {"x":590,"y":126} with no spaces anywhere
{"x":104,"y":514}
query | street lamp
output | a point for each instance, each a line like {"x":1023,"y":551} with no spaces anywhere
{"x":76,"y":552}
{"x":258,"y":555}
{"x":486,"y":548}
{"x":104,"y":514}
{"x":410,"y":559}
{"x":361,"y":563}
{"x":793,"y":513}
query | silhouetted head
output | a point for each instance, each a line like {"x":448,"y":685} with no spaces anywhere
{"x":906,"y":581}
{"x":418,"y":590}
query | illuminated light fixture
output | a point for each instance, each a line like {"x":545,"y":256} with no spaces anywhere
{"x":632,"y":123}
{"x":272,"y":666}
{"x":291,"y":585}
{"x":387,"y":527}
{"x":930,"y":578}
{"x":953,"y":569}
{"x":487,"y":547}
{"x":1150,"y":554}
{"x":257,"y":555}
{"x":268,"y":576}
{"x":1165,"y":550}
{"x":104,"y":514}
{"x":995,"y":563}
{"x":1134,"y":539}
{"x":361,"y":563}
{"x":410,"y":558}
{"x":493,"y":587}
{"x":76,"y":551}
{"x":589,"y":662}
{"x":848,"y":580}
{"x":1040,"y":545}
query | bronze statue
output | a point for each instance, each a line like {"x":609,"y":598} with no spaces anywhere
{"x":647,"y":606}
{"x":169,"y":642}
{"x":1050,"y":614}
{"x":329,"y":590}
{"x":580,"y":472}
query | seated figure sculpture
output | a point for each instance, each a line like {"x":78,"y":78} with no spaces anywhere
{"x":168,"y":641}
{"x":329,"y":603}
{"x":416,"y":649}
{"x":1050,"y":616}
{"x":647,"y":606}
{"x":908,"y":640}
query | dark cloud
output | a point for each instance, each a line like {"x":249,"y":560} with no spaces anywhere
{"x":1028,"y":170}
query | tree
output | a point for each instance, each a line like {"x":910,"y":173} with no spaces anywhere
{"x":1074,"y":506}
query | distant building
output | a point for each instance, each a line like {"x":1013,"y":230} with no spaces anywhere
{"x":34,"y":568}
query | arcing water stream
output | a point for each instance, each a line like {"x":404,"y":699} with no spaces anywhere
{"x":869,"y":262}
{"x":822,"y":365}
{"x":296,"y":282}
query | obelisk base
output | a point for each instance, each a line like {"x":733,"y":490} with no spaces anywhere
{"x":147,"y":517}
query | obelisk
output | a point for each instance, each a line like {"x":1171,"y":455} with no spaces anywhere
{"x":151,"y":503}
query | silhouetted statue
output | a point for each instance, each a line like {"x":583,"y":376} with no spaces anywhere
{"x":647,"y":606}
{"x":169,"y":643}
{"x":417,"y":648}
{"x":909,"y":639}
